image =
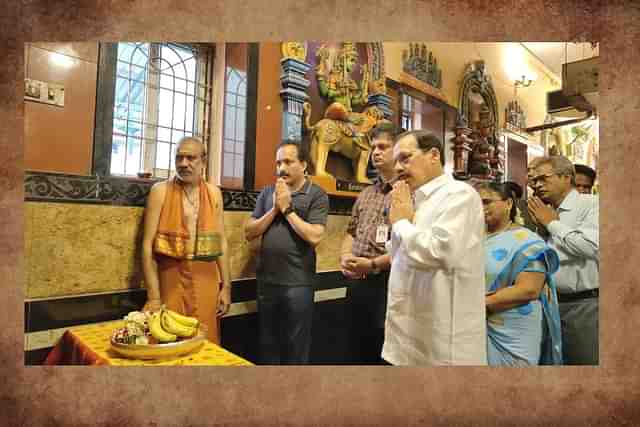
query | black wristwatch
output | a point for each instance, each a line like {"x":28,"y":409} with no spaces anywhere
{"x":288,"y":211}
{"x":374,"y":268}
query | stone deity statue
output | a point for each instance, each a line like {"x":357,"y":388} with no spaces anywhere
{"x":334,"y":79}
{"x":342,"y":130}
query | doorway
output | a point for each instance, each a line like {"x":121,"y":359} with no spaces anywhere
{"x":517,"y":163}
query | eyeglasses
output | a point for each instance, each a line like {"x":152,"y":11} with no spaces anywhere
{"x":534,"y":181}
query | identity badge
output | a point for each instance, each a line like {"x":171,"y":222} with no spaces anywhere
{"x":382,"y":232}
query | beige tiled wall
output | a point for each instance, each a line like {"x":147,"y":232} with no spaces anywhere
{"x":79,"y":248}
{"x":73,"y":249}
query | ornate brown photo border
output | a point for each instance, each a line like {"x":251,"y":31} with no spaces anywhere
{"x":604,"y":395}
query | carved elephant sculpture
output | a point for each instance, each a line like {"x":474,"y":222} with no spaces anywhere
{"x":344,"y":133}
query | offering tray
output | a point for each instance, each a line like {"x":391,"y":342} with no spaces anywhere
{"x":161,"y":351}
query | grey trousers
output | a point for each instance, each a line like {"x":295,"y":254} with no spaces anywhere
{"x":580,"y":332}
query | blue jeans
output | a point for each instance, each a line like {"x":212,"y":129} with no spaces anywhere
{"x":284,"y":314}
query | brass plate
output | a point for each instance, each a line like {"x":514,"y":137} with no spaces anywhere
{"x":161,"y":351}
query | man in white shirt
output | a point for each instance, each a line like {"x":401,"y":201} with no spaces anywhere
{"x":571,"y":219}
{"x":436,"y":311}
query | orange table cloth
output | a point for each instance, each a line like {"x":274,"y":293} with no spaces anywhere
{"x":90,"y":345}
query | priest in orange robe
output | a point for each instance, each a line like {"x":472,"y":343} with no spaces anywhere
{"x":184,"y":257}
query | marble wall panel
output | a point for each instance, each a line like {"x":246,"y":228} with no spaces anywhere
{"x":328,"y":251}
{"x":73,"y":249}
{"x":81,"y":248}
{"x":243,"y":259}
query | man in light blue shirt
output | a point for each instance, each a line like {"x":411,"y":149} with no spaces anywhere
{"x":571,"y":219}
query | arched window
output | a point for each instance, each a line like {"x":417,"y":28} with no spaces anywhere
{"x":234,"y":136}
{"x":161,"y":94}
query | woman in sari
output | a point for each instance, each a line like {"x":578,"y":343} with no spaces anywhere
{"x":523,"y":322}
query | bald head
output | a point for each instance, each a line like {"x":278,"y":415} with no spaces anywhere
{"x":190,"y":159}
{"x":194,"y":140}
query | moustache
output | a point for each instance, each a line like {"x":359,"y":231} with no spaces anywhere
{"x":281,"y":174}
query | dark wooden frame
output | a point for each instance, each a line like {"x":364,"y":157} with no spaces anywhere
{"x":105,"y":95}
{"x":449,"y":111}
{"x":253,"y":59}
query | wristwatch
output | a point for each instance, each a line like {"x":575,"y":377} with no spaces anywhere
{"x":288,"y":211}
{"x":374,"y":268}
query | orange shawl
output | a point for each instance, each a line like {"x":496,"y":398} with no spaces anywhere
{"x":173,"y":235}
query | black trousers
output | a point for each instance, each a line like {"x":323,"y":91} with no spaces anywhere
{"x":285,"y":315}
{"x":367,"y":305}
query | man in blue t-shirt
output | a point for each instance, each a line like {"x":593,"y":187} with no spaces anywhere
{"x":290,"y":216}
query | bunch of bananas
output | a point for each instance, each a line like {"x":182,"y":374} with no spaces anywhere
{"x":167,"y":325}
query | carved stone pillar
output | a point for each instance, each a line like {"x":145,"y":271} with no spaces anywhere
{"x":383,"y":102}
{"x":293,"y":93}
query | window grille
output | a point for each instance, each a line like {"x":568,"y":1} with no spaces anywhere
{"x":406,"y":115}
{"x":234,"y":136}
{"x":162,"y":93}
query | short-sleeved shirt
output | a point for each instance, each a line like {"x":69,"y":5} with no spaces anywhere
{"x":367,"y":215}
{"x":285,"y":258}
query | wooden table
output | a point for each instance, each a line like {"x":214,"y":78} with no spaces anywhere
{"x":90,"y":345}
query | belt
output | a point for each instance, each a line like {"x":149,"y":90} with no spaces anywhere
{"x":591,"y":293}
{"x":377,"y":276}
{"x":378,"y":273}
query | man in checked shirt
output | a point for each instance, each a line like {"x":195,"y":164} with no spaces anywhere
{"x":364,"y":260}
